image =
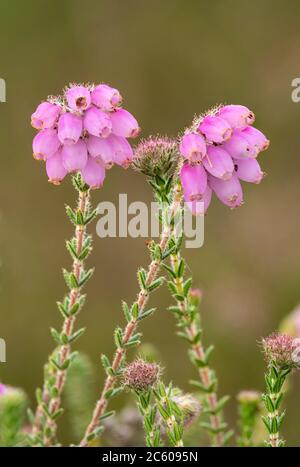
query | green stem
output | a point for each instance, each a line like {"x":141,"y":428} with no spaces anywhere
{"x":188,"y":320}
{"x":148,"y":410}
{"x":128,"y":337}
{"x":49,"y":400}
{"x":275,"y":378}
{"x":171,"y":414}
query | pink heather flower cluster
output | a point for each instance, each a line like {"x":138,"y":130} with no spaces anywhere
{"x":86,"y":130}
{"x":219,"y":151}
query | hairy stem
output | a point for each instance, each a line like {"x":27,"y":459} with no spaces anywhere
{"x":127,"y":338}
{"x":275,"y":379}
{"x":188,"y":321}
{"x":49,"y":400}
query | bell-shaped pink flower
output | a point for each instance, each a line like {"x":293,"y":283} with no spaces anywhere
{"x":101,"y":148}
{"x":238,"y":146}
{"x":78,"y":98}
{"x":228,"y":191}
{"x":124,"y":124}
{"x":193,"y":147}
{"x":69,"y":128}
{"x":218,"y":162}
{"x":199,"y":208}
{"x":45,"y":144}
{"x":106,"y":98}
{"x":97,"y":122}
{"x":55,"y":169}
{"x":93,"y":173}
{"x":194,"y":181}
{"x":45,"y":116}
{"x":75,"y":156}
{"x":256,"y":138}
{"x":215,"y":129}
{"x":248,"y":170}
{"x":238,"y":116}
{"x":123,"y":153}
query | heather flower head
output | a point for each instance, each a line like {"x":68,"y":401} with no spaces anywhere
{"x":225,"y":145}
{"x":281,"y":350}
{"x":189,"y":405}
{"x":156,"y":155}
{"x":83,"y":130}
{"x":141,"y":375}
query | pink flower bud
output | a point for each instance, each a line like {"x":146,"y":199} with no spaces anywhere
{"x":238,"y":146}
{"x":106,"y":98}
{"x":97,"y":122}
{"x":215,"y":129}
{"x":238,"y":116}
{"x":75,"y":156}
{"x":78,"y":98}
{"x":45,"y":116}
{"x":256,"y":138}
{"x":248,"y":170}
{"x":45,"y":144}
{"x":69,"y":128}
{"x":93,"y":173}
{"x":229,"y":192}
{"x":124,"y":124}
{"x":55,"y":169}
{"x":193,"y":147}
{"x":199,"y":208}
{"x":123,"y":153}
{"x":194,"y":181}
{"x":218,"y":162}
{"x":101,"y":148}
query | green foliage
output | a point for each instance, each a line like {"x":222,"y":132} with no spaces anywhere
{"x":274,"y":378}
{"x":13,"y":405}
{"x":79,"y":393}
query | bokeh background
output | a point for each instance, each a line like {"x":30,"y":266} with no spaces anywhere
{"x":170,"y":59}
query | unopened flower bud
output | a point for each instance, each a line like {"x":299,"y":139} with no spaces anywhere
{"x":156,"y":155}
{"x":281,"y":349}
{"x":141,"y":375}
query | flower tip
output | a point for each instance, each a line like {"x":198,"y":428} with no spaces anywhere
{"x":135,"y":132}
{"x":54,"y":182}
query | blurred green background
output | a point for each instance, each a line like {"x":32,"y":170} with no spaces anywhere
{"x":170,"y":59}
